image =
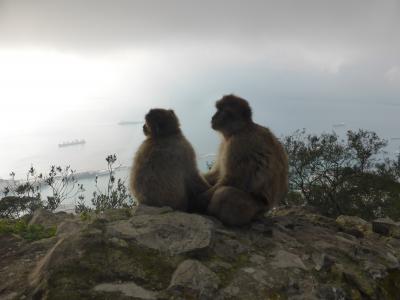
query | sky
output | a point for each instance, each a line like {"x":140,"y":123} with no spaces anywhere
{"x":67,"y":66}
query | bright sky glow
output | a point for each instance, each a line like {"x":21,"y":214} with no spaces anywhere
{"x":40,"y":85}
{"x":32,"y":80}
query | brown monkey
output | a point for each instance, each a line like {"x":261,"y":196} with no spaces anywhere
{"x":250,"y":174}
{"x":164,"y":171}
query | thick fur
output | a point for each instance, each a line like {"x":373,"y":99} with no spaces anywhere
{"x":250,"y":174}
{"x":164,"y":171}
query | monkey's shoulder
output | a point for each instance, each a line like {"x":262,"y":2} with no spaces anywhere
{"x":169,"y":149}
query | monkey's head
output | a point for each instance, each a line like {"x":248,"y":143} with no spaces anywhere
{"x":233,"y":113}
{"x":161,"y":122}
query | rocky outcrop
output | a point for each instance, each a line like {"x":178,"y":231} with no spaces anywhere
{"x":157,"y":253}
{"x":387,"y":227}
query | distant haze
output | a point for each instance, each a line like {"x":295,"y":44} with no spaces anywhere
{"x":74,"y":69}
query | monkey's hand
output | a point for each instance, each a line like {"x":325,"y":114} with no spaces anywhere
{"x":201,"y":202}
{"x":212,"y":176}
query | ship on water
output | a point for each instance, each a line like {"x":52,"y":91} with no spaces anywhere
{"x":337,"y":125}
{"x":130,"y":123}
{"x":72,"y":143}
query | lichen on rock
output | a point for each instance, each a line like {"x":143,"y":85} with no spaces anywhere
{"x":158,"y":253}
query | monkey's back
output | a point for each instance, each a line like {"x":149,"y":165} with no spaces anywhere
{"x":261,"y":162}
{"x":159,"y":170}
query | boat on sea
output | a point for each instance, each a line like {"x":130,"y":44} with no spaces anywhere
{"x":72,"y":143}
{"x":129,"y":123}
{"x":339,"y":125}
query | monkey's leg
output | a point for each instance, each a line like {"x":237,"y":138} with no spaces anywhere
{"x":233,"y":207}
{"x":198,"y":199}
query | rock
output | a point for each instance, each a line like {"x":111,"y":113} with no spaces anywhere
{"x":284,"y":259}
{"x":69,"y":227}
{"x":119,"y":242}
{"x":231,"y":291}
{"x":11,"y":296}
{"x":322,"y":261}
{"x":48,"y":219}
{"x":173,"y":233}
{"x":158,"y":253}
{"x":328,"y":292}
{"x":257,"y":259}
{"x":142,"y":209}
{"x":230,"y":248}
{"x":111,"y":215}
{"x":354,"y":226}
{"x":376,"y":271}
{"x":129,"y":289}
{"x":359,"y":282}
{"x":347,"y":238}
{"x":386,"y":227}
{"x":192,"y":274}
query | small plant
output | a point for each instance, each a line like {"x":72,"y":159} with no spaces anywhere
{"x":63,"y":185}
{"x":21,"y":196}
{"x":13,"y":206}
{"x":209,"y":165}
{"x":80,"y":206}
{"x":29,"y":232}
{"x":30,"y":187}
{"x":115,"y":195}
{"x":24,"y":196}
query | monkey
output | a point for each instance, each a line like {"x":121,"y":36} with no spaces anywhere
{"x":164,"y":170}
{"x":250,"y":175}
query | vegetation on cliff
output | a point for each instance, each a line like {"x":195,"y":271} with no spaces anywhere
{"x":337,"y":177}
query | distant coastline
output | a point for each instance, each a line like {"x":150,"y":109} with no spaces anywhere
{"x":77,"y":175}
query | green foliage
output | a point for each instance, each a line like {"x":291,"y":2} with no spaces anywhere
{"x":116,"y":194}
{"x":30,"y":187}
{"x":12,"y":206}
{"x":85,"y":215}
{"x":22,"y":228}
{"x":63,"y":185}
{"x":24,"y":196}
{"x":343,"y":176}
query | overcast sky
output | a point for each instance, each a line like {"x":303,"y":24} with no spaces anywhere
{"x":300,"y":63}
{"x":327,"y":36}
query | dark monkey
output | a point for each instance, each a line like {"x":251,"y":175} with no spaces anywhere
{"x":250,"y":174}
{"x":164,"y":171}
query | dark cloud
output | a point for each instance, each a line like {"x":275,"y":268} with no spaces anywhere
{"x":103,"y":24}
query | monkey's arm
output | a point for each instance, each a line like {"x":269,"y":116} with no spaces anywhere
{"x":244,"y":166}
{"x":214,"y":174}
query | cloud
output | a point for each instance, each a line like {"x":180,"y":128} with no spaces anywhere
{"x":103,"y":24}
{"x":393,"y":75}
{"x":316,"y":34}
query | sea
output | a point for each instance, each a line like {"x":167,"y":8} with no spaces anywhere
{"x":37,"y":145}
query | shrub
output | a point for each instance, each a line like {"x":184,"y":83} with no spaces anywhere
{"x":24,"y":196}
{"x":13,"y":206}
{"x":63,"y":185}
{"x":115,"y":195}
{"x":343,"y":176}
{"x":22,"y":228}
